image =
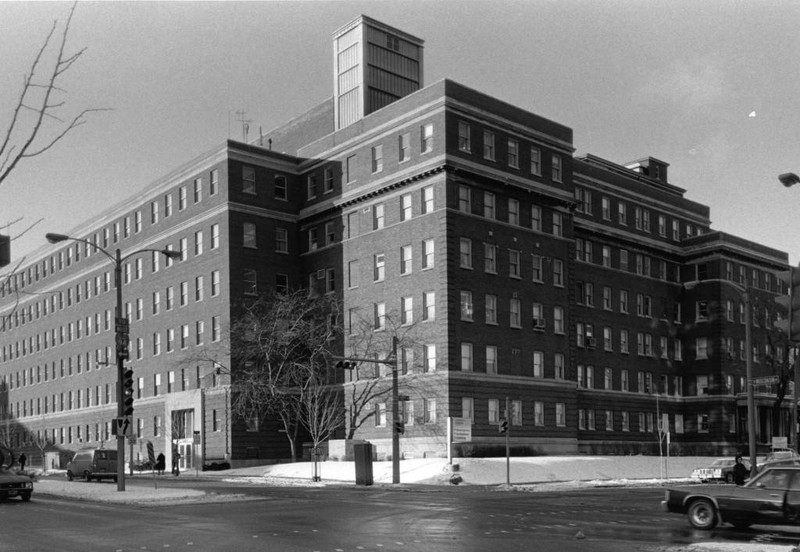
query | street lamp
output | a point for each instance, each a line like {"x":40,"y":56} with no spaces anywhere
{"x":120,"y":333}
{"x":748,"y":343}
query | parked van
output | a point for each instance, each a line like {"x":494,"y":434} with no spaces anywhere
{"x":93,"y":464}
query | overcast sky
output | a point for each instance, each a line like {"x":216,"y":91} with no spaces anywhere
{"x":711,"y":87}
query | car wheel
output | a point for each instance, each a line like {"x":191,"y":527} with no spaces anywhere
{"x":88,"y":476}
{"x":70,"y":476}
{"x":729,"y":477}
{"x":702,"y":514}
{"x":26,"y":497}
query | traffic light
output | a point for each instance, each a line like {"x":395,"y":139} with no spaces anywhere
{"x":346,"y":365}
{"x":127,"y":392}
{"x":400,"y":427}
{"x":790,"y":325}
{"x":503,"y":427}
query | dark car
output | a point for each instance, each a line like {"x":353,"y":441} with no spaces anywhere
{"x":771,"y":498}
{"x":14,"y":484}
{"x":718,"y":470}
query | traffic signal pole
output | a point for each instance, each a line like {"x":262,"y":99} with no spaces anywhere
{"x":120,"y":369}
{"x":508,"y":446}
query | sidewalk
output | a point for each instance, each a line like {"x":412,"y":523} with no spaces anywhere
{"x":532,"y":473}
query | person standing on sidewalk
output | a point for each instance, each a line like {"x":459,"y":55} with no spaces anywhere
{"x":176,"y":456}
{"x":739,"y":471}
{"x":22,"y":460}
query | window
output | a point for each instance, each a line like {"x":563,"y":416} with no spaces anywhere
{"x":248,"y":179}
{"x":558,"y":226}
{"x":464,"y":137}
{"x":515,"y":313}
{"x":249,"y":235}
{"x":701,"y":347}
{"x":488,"y":145}
{"x":407,"y":310}
{"x":352,"y":274}
{"x":404,"y":142}
{"x":464,"y":199}
{"x":311,"y":186}
{"x":622,"y":213}
{"x":491,"y":309}
{"x":281,"y":189}
{"x":215,"y":283}
{"x":281,"y":240}
{"x":214,"y":236}
{"x":430,"y":410}
{"x":198,"y":190}
{"x":491,"y":359}
{"x":153,"y":218}
{"x":429,"y":352}
{"x":538,"y":364}
{"x":466,"y":305}
{"x":514,"y":268}
{"x":426,"y":138}
{"x":537,"y":268}
{"x":558,"y":319}
{"x":468,"y":408}
{"x":249,"y":282}
{"x":561,"y":414}
{"x":557,"y":171}
{"x":350,"y":168}
{"x":167,"y":212}
{"x":406,"y":259}
{"x":405,"y":207}
{"x":427,"y":254}
{"x":379,"y":316}
{"x":465,"y":249}
{"x":513,"y":153}
{"x":427,"y":200}
{"x":330,"y":233}
{"x":379,"y":267}
{"x":494,"y":411}
{"x":536,"y":218}
{"x":429,"y":306}
{"x":377,"y":216}
{"x":328,"y":180}
{"x":490,"y":258}
{"x":558,"y":273}
{"x":513,"y":212}
{"x":536,"y":161}
{"x":488,"y":205}
{"x":377,"y":159}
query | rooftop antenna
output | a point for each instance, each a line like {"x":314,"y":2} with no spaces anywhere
{"x":245,"y":123}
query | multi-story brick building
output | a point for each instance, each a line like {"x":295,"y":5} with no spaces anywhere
{"x":555,"y":284}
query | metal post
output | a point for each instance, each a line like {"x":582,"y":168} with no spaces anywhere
{"x":395,"y":414}
{"x":751,"y":409}
{"x":120,"y":371}
{"x":508,"y":448}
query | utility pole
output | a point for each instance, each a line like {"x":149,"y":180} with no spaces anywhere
{"x":508,"y":447}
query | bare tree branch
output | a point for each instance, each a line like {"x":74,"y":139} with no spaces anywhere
{"x":20,"y":140}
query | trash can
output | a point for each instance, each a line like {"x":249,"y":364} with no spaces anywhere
{"x":362,"y":452}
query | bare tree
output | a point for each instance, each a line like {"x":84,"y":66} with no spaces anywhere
{"x":37,"y":122}
{"x":322,"y":410}
{"x":370,"y":382}
{"x":281,"y":347}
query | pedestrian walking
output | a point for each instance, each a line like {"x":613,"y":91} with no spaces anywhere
{"x":22,"y":460}
{"x":160,"y":463}
{"x":176,"y":456}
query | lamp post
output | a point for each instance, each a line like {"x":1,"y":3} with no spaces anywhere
{"x":120,"y":333}
{"x":748,"y":343}
{"x":790,"y":179}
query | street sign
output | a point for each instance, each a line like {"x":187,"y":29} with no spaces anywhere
{"x":131,"y":439}
{"x":121,"y":325}
{"x":123,"y":427}
{"x":462,"y":430}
